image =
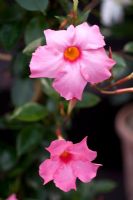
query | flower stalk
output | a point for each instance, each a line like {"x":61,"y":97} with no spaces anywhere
{"x":58,"y":133}
{"x":71,"y":105}
{"x":75,"y":6}
{"x":119,"y":91}
{"x":121,"y":81}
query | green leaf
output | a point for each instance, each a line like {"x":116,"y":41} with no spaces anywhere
{"x":121,"y":99}
{"x":3,"y":123}
{"x":103,"y":186}
{"x":19,"y":66}
{"x":9,"y":35}
{"x":89,"y":100}
{"x":65,"y":5}
{"x":22,"y":91}
{"x":8,"y":14}
{"x":31,"y":47}
{"x":129,"y":47}
{"x":34,"y":30}
{"x":7,"y":158}
{"x":83,"y":16}
{"x":92,"y":190}
{"x":47,"y":88}
{"x":60,"y":18}
{"x":120,"y":67}
{"x":122,"y":30}
{"x":29,"y":138}
{"x":29,"y":112}
{"x":33,"y":5}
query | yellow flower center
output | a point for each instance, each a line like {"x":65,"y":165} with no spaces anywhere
{"x":72,"y":53}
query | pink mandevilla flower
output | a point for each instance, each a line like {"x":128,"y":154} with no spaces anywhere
{"x":72,"y":57}
{"x":67,"y":162}
{"x":12,"y":197}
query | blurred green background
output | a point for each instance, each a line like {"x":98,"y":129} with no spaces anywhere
{"x":31,"y":109}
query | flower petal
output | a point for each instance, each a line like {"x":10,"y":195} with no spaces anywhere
{"x":12,"y":197}
{"x":85,"y":171}
{"x":88,"y":37}
{"x":47,"y":169}
{"x":57,"y":39}
{"x":71,"y":83}
{"x":80,"y":151}
{"x":58,"y":146}
{"x":95,"y":65}
{"x":64,"y":178}
{"x":71,"y":33}
{"x":45,"y":63}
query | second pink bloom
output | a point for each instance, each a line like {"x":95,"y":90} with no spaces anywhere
{"x":68,"y":162}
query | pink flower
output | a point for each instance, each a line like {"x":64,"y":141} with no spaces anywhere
{"x":67,"y":162}
{"x":72,"y":57}
{"x":12,"y":197}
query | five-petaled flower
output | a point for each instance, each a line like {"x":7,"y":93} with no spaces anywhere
{"x":72,"y":57}
{"x":12,"y":197}
{"x":67,"y":162}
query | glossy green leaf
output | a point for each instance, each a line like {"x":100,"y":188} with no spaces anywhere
{"x":83,"y":16}
{"x":9,"y":35}
{"x":120,"y":67}
{"x":47,"y":88}
{"x":4,"y":187}
{"x":60,"y":18}
{"x":28,"y":138}
{"x":93,"y":189}
{"x":121,"y":99}
{"x":89,"y":100}
{"x":7,"y":158}
{"x":22,"y":91}
{"x":2,"y":123}
{"x":29,"y":112}
{"x":66,"y":5}
{"x":33,"y":5}
{"x":103,"y":186}
{"x":129,"y":47}
{"x":19,"y":66}
{"x":8,"y":14}
{"x":31,"y":47}
{"x":34,"y":30}
{"x":122,"y":30}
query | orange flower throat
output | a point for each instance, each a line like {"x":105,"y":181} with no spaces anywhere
{"x":72,"y":53}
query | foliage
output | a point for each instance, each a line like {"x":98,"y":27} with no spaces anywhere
{"x":35,"y":106}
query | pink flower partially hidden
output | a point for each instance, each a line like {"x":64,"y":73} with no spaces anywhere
{"x":12,"y":197}
{"x":67,"y":162}
{"x":72,"y":57}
